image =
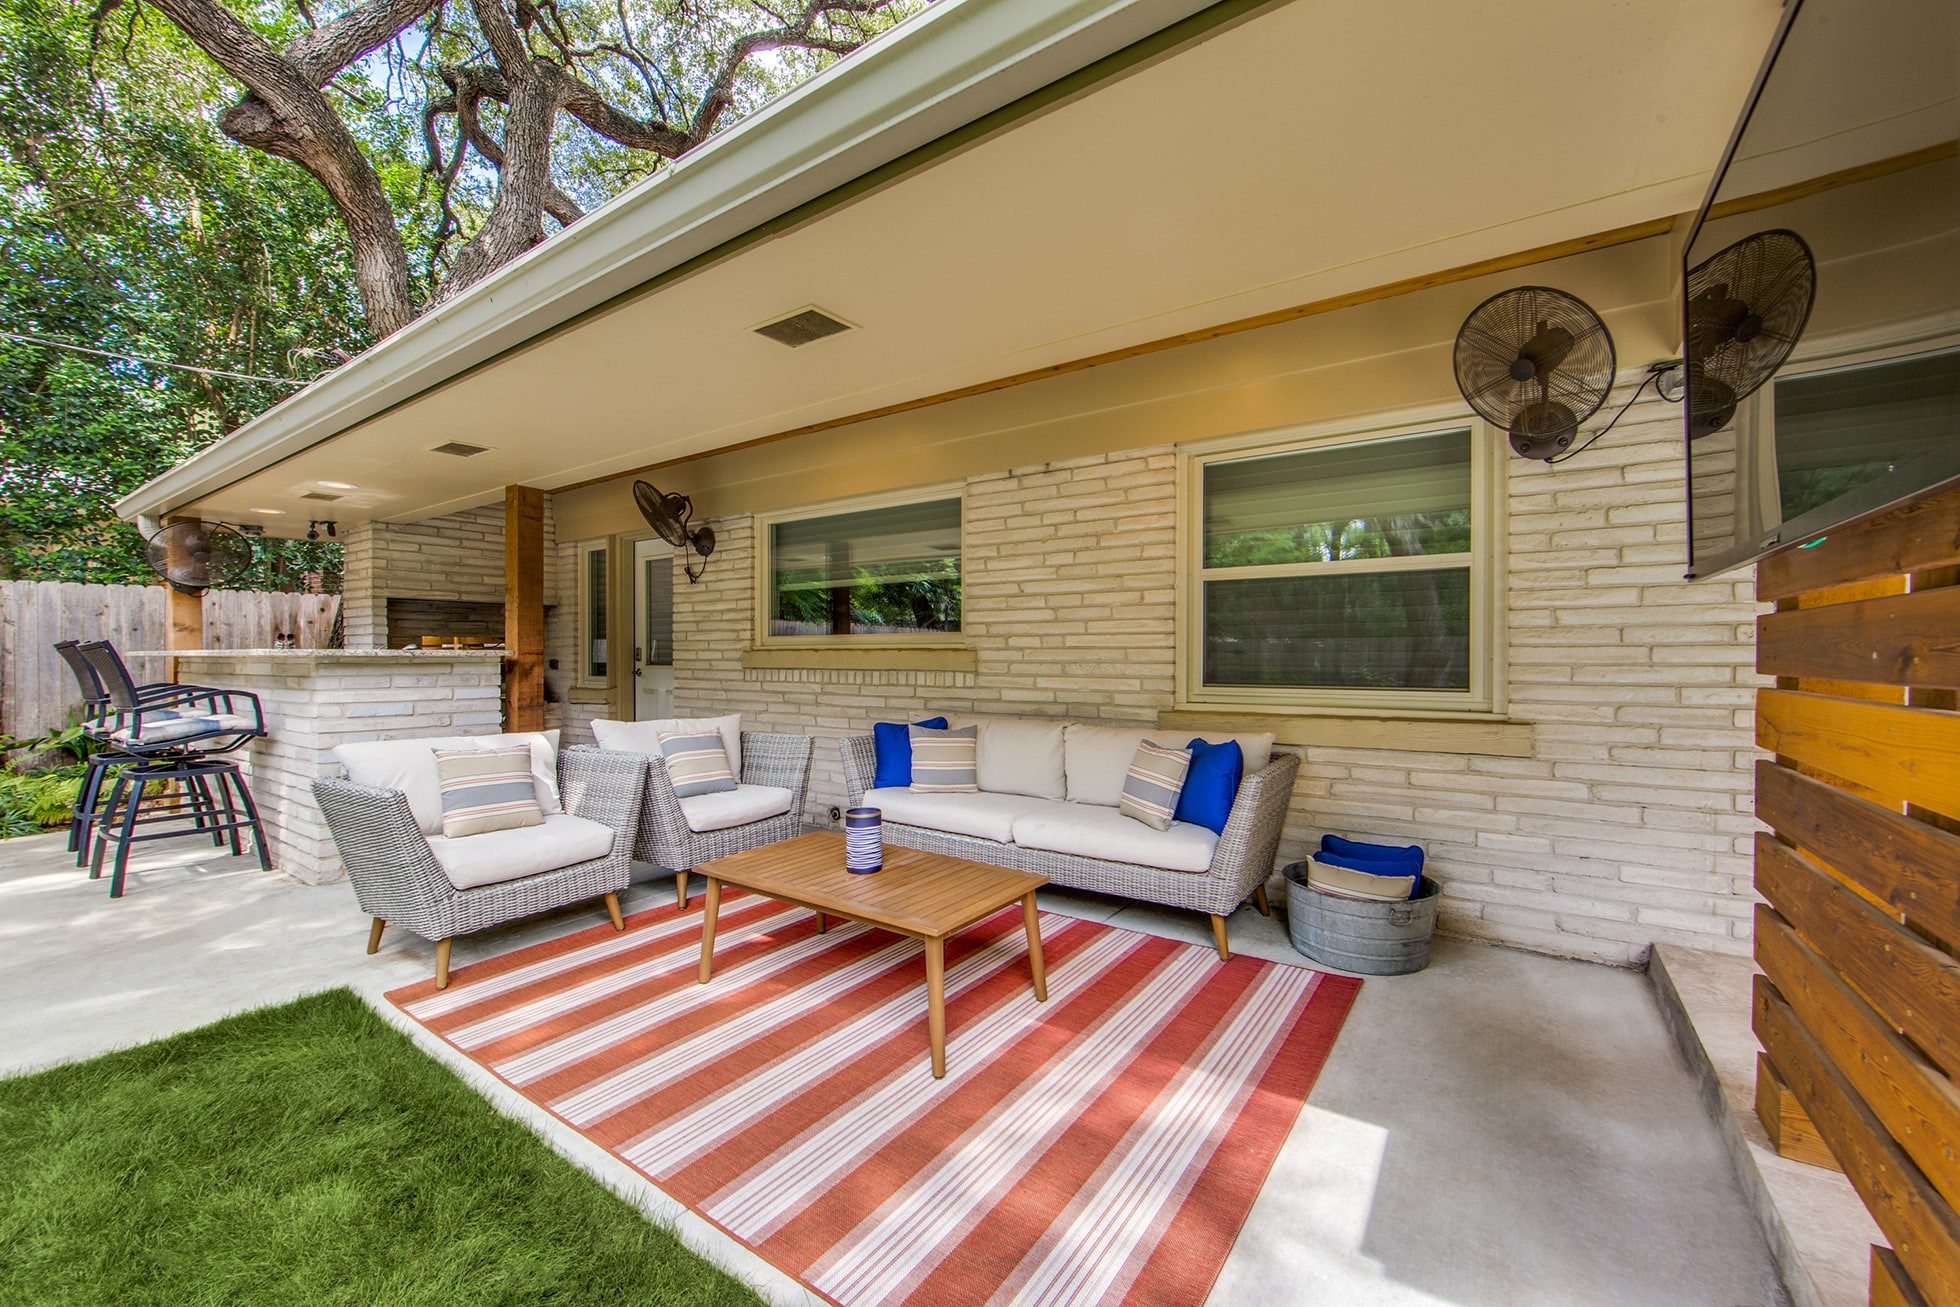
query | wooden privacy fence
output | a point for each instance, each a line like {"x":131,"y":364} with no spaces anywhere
{"x":37,"y":692}
{"x":1858,"y":1006}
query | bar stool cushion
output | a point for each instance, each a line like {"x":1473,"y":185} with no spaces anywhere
{"x":505,"y":855}
{"x":161,"y":725}
{"x":410,"y":766}
{"x":736,"y":807}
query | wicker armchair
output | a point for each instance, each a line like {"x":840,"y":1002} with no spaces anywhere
{"x":396,"y":877}
{"x":667,"y":841}
{"x":1240,"y":865}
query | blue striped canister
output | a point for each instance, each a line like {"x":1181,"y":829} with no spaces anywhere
{"x":864,"y":840}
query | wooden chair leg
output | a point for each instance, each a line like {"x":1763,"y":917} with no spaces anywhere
{"x":1259,"y":898}
{"x":1218,"y":936}
{"x":374,"y":934}
{"x":680,"y":890}
{"x":442,"y":964}
{"x":612,"y":910}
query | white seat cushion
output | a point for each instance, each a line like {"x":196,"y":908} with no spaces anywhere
{"x":982,"y":815}
{"x":644,"y":737}
{"x":1020,"y":755}
{"x":501,"y":855}
{"x":736,"y":807}
{"x":1090,"y":831}
{"x":410,"y":766}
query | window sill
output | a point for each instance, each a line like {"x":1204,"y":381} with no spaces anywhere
{"x":1479,"y":734}
{"x":864,"y":660}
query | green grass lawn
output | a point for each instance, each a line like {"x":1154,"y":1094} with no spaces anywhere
{"x":306,"y":1154}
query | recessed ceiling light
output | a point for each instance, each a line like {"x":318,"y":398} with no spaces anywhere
{"x":337,"y":485}
{"x":270,"y":512}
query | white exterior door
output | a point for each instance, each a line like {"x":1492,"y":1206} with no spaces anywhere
{"x":653,"y":629}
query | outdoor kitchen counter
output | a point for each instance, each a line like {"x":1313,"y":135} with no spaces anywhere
{"x":315,"y":699}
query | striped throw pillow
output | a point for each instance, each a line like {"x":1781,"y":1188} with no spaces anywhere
{"x":485,"y":790}
{"x":945,"y":762}
{"x":1155,"y":780}
{"x":696,"y":763}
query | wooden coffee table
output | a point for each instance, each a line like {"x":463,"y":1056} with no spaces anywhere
{"x":929,"y":896}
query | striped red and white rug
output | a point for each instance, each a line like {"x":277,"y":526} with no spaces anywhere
{"x":1102,"y":1147}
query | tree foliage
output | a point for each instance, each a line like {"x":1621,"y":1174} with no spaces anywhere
{"x":529,"y":111}
{"x":150,"y":204}
{"x":129,"y":225}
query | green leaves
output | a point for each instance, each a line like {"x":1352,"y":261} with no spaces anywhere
{"x":129,"y":224}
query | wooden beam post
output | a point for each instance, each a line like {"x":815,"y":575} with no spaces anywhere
{"x":184,"y":614}
{"x":523,"y":608}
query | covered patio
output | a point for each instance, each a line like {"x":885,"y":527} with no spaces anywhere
{"x":1429,"y":1168}
{"x":1139,"y":413}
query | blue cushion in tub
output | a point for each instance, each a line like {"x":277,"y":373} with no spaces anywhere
{"x":1374,"y":867}
{"x":1211,"y":785}
{"x":1410,"y":853}
{"x":891,"y":746}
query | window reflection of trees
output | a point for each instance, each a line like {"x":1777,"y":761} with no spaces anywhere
{"x":1402,"y":629}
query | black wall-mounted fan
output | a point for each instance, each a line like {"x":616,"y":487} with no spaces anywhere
{"x":668,"y":515}
{"x":1537,"y":362}
{"x":1747,"y":307}
{"x":194,"y":556}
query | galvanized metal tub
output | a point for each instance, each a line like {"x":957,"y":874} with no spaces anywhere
{"x":1359,"y":935}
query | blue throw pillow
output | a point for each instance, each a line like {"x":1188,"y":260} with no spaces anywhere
{"x":1211,"y":785}
{"x":891,"y":745}
{"x":1381,"y":859}
{"x":1374,"y":852}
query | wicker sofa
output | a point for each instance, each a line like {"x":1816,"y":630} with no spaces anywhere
{"x":440,"y":888}
{"x":1007,"y":826}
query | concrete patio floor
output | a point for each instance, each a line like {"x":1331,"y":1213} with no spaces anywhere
{"x":1501,"y":1129}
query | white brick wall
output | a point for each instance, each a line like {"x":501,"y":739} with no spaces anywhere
{"x":458,"y":556}
{"x":1630,"y":822}
{"x":461,"y":556}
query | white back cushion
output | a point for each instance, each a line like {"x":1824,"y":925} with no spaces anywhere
{"x":1098,"y":761}
{"x":1256,"y":746}
{"x":410,"y":766}
{"x":1021,"y":755}
{"x":644,"y":737}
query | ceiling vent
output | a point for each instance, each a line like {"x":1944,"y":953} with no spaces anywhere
{"x":320,"y":495}
{"x":459,"y":449}
{"x":802,"y":327}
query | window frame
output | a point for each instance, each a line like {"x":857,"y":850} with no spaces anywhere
{"x":764,"y":591}
{"x":582,"y":675}
{"x":1485,"y":699}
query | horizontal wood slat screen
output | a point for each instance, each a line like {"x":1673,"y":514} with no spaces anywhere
{"x":1908,"y":639}
{"x":1917,"y":1104}
{"x":1922,"y":1227}
{"x":1890,"y":1287}
{"x":1906,"y":864}
{"x":1858,"y":1009}
{"x":1909,"y":753}
{"x":1915,"y":536}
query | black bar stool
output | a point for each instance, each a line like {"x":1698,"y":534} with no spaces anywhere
{"x":173,"y":734}
{"x":203,"y":806}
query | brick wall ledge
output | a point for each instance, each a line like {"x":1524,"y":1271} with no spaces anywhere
{"x":1488,"y":736}
{"x":864,"y":660}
